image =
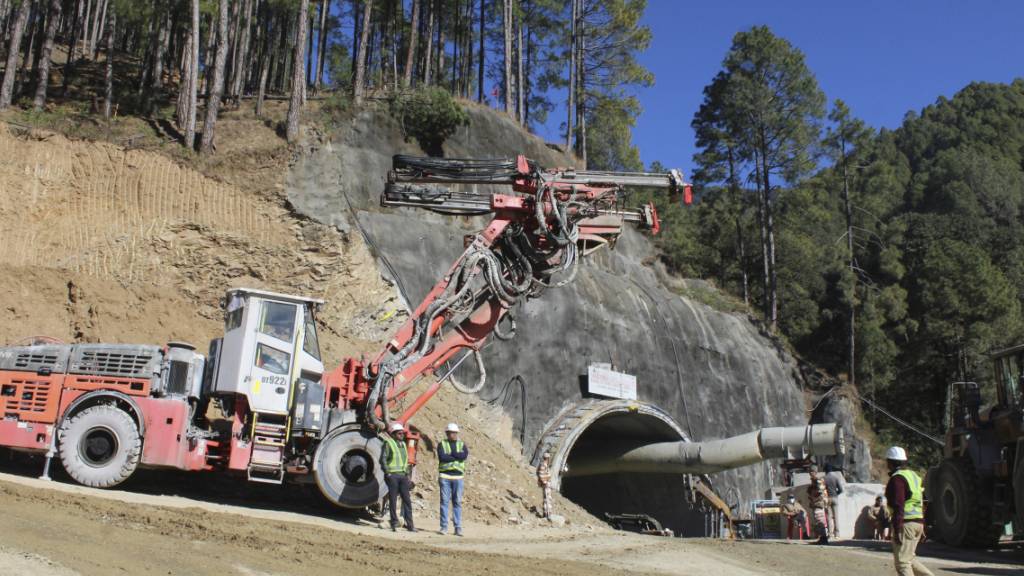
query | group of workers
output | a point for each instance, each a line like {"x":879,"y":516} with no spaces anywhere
{"x":904,"y":494}
{"x":902,"y":520}
{"x":452,"y":454}
{"x":823,"y":494}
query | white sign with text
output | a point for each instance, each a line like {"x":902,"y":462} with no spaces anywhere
{"x":603,"y":381}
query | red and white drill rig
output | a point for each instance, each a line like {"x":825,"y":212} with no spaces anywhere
{"x":261,"y":404}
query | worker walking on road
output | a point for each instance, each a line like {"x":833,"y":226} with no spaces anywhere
{"x":398,"y":475}
{"x":817,"y":493}
{"x":451,"y":470}
{"x":544,"y":481}
{"x":835,"y":483}
{"x":905,"y":495}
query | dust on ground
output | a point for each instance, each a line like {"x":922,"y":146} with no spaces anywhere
{"x":48,"y":527}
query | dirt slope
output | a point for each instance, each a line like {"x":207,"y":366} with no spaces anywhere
{"x":102,"y":243}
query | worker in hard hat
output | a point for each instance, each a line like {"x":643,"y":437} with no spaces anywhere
{"x":905,"y":495}
{"x":451,"y":470}
{"x":397,"y":475}
{"x":544,"y":481}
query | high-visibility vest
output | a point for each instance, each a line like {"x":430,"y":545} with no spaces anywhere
{"x":397,"y":457}
{"x":913,"y":506}
{"x":454,"y":465}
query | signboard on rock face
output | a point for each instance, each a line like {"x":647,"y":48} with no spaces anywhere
{"x":603,"y":381}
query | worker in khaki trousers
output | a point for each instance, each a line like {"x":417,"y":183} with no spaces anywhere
{"x":905,"y":494}
{"x":544,"y":481}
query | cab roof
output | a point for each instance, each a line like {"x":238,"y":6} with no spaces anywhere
{"x":274,"y":296}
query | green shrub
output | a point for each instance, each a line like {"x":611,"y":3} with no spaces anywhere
{"x":335,"y":110}
{"x":337,"y":103}
{"x":429,"y":115}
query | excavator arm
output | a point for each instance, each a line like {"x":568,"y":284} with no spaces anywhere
{"x":542,"y":222}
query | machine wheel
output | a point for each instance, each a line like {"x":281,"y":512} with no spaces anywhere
{"x":961,"y":516}
{"x":100,"y":446}
{"x":347,"y":468}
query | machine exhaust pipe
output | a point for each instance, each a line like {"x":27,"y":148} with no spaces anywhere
{"x":793,"y":442}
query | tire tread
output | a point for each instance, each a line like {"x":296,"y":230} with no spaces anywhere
{"x":69,"y":454}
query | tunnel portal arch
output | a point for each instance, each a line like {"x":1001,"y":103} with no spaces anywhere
{"x":572,"y":422}
{"x":584,"y":427}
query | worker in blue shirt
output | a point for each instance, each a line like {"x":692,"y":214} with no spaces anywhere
{"x":451,"y":470}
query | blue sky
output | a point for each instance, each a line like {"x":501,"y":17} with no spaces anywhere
{"x":882,"y":58}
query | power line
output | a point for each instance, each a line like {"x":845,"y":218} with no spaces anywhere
{"x":896,"y":419}
{"x":892,"y":416}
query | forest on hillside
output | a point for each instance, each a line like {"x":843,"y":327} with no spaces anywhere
{"x":198,"y":55}
{"x":892,"y":259}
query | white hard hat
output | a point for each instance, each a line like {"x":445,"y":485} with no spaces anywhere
{"x":396,"y":427}
{"x":451,"y":427}
{"x":896,"y":453}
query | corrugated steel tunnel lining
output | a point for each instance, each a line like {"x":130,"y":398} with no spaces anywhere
{"x":621,"y":456}
{"x":584,"y":427}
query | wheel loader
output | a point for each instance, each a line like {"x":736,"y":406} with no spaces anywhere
{"x":979,"y":486}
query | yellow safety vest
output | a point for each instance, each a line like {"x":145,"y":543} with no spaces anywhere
{"x":454,"y":465}
{"x":913,"y":507}
{"x":397,"y":457}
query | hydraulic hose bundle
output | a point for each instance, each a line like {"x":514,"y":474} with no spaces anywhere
{"x":499,"y":171}
{"x":513,"y":267}
{"x":535,"y":234}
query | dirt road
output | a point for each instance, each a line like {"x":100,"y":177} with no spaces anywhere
{"x":58,"y":529}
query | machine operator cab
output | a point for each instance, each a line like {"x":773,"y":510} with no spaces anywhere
{"x":1008,"y":373}
{"x":270,"y":354}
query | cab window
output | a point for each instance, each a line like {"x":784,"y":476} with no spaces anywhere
{"x":272,"y":360}
{"x":1012,"y":378}
{"x":233,"y":319}
{"x":310,"y":344}
{"x":278,"y":320}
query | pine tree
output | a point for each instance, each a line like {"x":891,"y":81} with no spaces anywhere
{"x":43,"y":78}
{"x":359,"y":82}
{"x":299,"y":74}
{"x":11,"y":69}
{"x":844,"y":138}
{"x":771,"y":105}
{"x":217,"y":82}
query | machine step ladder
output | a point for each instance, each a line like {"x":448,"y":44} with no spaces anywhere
{"x":269,"y":436}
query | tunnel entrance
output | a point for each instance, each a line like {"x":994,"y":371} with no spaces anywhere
{"x":583,"y":431}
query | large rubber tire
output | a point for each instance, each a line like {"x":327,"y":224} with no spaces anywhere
{"x":100,"y":446}
{"x":347,"y":468}
{"x":961,"y":515}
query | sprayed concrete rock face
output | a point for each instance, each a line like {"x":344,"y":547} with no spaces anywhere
{"x":713,"y":372}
